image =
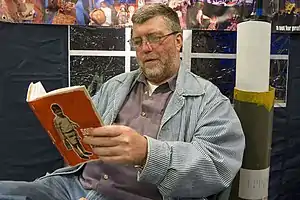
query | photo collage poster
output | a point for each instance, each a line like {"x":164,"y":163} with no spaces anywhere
{"x":108,"y":13}
{"x":222,"y":15}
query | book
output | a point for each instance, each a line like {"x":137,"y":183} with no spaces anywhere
{"x":65,"y":113}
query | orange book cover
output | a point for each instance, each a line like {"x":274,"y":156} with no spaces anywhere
{"x":64,"y":113}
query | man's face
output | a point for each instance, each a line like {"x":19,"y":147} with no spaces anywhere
{"x":158,"y":61}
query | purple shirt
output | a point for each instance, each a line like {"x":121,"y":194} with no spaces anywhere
{"x":143,"y":113}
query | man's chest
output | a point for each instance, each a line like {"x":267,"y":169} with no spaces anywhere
{"x":143,"y":112}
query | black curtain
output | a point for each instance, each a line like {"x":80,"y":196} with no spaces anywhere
{"x":285,"y":160}
{"x":291,"y":165}
{"x":28,"y":53}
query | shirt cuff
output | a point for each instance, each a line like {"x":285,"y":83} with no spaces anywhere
{"x":157,"y":162}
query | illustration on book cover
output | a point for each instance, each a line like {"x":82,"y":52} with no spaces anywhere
{"x":67,"y":130}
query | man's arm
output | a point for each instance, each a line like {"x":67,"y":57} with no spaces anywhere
{"x":205,"y":166}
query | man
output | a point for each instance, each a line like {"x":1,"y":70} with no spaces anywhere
{"x":170,"y":134}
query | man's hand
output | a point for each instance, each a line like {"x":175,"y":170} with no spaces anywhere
{"x":117,"y":144}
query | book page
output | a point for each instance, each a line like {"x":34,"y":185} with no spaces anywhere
{"x":63,"y":90}
{"x":37,"y":91}
{"x":40,"y":90}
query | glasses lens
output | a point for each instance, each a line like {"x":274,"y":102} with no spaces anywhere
{"x":135,"y":42}
{"x":153,"y":38}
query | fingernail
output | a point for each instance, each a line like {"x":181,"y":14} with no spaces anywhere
{"x":85,"y":132}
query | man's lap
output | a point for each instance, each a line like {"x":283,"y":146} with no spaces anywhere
{"x":58,"y":187}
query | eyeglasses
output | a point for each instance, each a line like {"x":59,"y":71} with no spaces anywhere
{"x":150,"y":39}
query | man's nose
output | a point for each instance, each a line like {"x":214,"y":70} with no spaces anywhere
{"x":146,"y":47}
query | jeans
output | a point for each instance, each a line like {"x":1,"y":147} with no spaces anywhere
{"x":59,"y":187}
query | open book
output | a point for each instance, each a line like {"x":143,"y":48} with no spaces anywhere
{"x":64,"y":113}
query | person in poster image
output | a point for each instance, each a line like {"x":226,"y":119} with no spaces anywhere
{"x":66,"y":129}
{"x":131,"y":10}
{"x":122,"y":15}
{"x":200,"y":17}
{"x":85,"y":7}
{"x":181,"y":7}
{"x":16,"y":11}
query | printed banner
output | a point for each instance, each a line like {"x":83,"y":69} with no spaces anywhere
{"x":223,"y":15}
{"x":286,"y":17}
{"x":69,"y":12}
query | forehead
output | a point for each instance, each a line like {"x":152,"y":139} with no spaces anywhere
{"x":153,"y":25}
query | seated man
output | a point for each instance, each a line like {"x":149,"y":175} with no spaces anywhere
{"x":169,"y":134}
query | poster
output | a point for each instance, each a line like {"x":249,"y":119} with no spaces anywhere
{"x":224,"y":15}
{"x":219,"y":15}
{"x":107,"y":13}
{"x":286,"y":17}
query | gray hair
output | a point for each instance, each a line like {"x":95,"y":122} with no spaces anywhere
{"x":149,"y":11}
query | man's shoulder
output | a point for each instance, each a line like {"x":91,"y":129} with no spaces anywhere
{"x":202,"y":81}
{"x":199,"y":83}
{"x":121,"y":78}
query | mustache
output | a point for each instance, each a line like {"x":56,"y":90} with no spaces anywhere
{"x":148,"y":58}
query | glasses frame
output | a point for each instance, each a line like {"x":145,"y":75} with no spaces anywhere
{"x":161,"y":39}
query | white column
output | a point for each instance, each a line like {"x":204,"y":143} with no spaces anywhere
{"x":187,"y":48}
{"x":253,"y":56}
{"x":127,"y":49}
{"x":69,"y":59}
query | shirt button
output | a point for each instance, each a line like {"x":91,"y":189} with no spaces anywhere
{"x":105,"y":176}
{"x":143,"y":114}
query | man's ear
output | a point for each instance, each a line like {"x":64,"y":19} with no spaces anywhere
{"x":179,"y":41}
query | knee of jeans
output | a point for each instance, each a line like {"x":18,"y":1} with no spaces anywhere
{"x":19,"y":190}
{"x":15,"y":189}
{"x":14,"y":197}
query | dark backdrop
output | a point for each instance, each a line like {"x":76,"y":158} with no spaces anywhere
{"x":28,"y":53}
{"x":285,"y":159}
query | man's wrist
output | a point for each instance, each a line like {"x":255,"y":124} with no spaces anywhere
{"x":144,"y":160}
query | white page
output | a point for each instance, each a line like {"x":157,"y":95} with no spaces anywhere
{"x":36,"y":90}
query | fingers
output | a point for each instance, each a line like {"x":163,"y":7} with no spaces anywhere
{"x":108,"y":151}
{"x":106,"y":136}
{"x":105,"y":131}
{"x":117,"y":144}
{"x":101,"y":141}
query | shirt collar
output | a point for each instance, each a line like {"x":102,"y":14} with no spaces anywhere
{"x":171,"y":81}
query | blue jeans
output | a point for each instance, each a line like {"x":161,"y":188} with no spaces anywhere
{"x":59,"y":187}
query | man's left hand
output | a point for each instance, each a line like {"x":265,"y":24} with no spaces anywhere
{"x":117,"y":144}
